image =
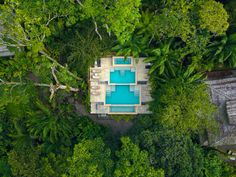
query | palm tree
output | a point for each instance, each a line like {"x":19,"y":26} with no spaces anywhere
{"x":141,"y":38}
{"x":134,"y":47}
{"x":167,"y":64}
{"x":161,"y":57}
{"x":47,"y":126}
{"x":222,"y":51}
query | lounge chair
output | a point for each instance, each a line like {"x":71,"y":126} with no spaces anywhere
{"x":96,"y":70}
{"x":95,"y":93}
{"x":94,"y":80}
{"x":95,"y":77}
{"x":95,"y":87}
{"x":95,"y":74}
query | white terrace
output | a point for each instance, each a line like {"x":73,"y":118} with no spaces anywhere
{"x":100,"y":84}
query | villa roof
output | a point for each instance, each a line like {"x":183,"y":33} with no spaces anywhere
{"x":222,"y":90}
{"x":227,"y":141}
{"x":223,"y":94}
{"x":231,"y":111}
{"x":4,"y":52}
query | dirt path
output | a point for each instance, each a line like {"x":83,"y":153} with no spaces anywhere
{"x":120,"y":127}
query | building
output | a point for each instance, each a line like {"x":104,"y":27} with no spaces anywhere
{"x":119,"y":85}
{"x":223,"y":93}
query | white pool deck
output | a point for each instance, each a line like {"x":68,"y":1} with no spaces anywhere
{"x":99,"y":80}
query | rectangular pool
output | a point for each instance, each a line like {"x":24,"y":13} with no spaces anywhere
{"x":122,"y":94}
{"x":122,"y":61}
{"x":122,"y":109}
{"x":122,"y":76}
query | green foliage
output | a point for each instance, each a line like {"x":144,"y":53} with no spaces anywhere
{"x":160,"y":57}
{"x":80,"y":47}
{"x":230,"y":6}
{"x":90,"y":158}
{"x":120,"y":17}
{"x":27,"y":31}
{"x":136,"y":46}
{"x":24,"y":162}
{"x":213,"y":17}
{"x":174,"y":23}
{"x":38,"y":134}
{"x":36,"y":21}
{"x":32,"y":162}
{"x":48,"y":127}
{"x":5,"y":170}
{"x":184,"y":107}
{"x":182,"y":39}
{"x":122,"y":117}
{"x":53,"y":165}
{"x":213,"y":166}
{"x":91,"y":9}
{"x":222,"y":51}
{"x":173,"y":152}
{"x":134,"y":162}
{"x":123,"y":17}
{"x":179,"y":155}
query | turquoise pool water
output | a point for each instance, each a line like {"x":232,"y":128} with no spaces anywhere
{"x":121,"y":109}
{"x":122,"y":76}
{"x":122,"y":94}
{"x":122,"y":61}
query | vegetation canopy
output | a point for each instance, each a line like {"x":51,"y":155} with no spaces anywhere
{"x":47,"y":49}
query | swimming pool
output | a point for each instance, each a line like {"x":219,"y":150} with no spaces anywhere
{"x":122,"y":61}
{"x":122,"y":109}
{"x":122,"y":75}
{"x":123,"y":94}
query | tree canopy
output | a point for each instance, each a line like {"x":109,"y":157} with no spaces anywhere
{"x":90,"y":158}
{"x":134,"y":162}
{"x":45,"y":126}
{"x":184,"y":107}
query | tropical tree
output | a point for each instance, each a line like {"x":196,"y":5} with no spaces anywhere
{"x":24,"y":162}
{"x":161,"y":57}
{"x":168,"y":61}
{"x":15,"y":103}
{"x":222,"y":51}
{"x":5,"y":169}
{"x":118,"y":17}
{"x":80,"y":57}
{"x":213,"y":165}
{"x":53,"y":164}
{"x":213,"y":17}
{"x":134,"y":162}
{"x":142,"y":37}
{"x":90,"y":158}
{"x":175,"y":22}
{"x":179,"y":155}
{"x":171,"y":151}
{"x":122,"y":18}
{"x":49,"y":128}
{"x":26,"y":32}
{"x":230,"y":7}
{"x":186,"y":107}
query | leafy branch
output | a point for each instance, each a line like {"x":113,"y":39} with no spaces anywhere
{"x":53,"y":88}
